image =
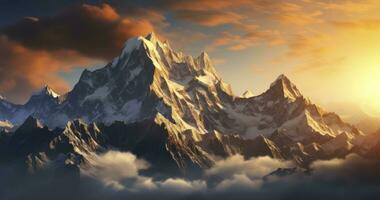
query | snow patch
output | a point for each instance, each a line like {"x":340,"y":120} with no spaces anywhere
{"x":132,"y":108}
{"x":205,"y":80}
{"x":46,"y":90}
{"x":134,"y":72}
{"x":132,"y":44}
{"x":6,"y":124}
{"x":100,"y":93}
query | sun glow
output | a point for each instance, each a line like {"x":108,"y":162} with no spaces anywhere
{"x":368,"y":90}
{"x":361,"y":70}
{"x":371,"y":97}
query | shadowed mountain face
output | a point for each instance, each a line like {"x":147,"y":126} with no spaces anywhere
{"x":173,"y":111}
{"x":33,"y":146}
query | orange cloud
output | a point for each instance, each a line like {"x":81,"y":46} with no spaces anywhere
{"x":299,"y":18}
{"x":237,"y":42}
{"x":218,"y":61}
{"x":205,"y":5}
{"x":305,"y":44}
{"x":102,"y":12}
{"x":34,"y":50}
{"x":348,"y":6}
{"x":368,"y":24}
{"x":94,"y":31}
{"x":23,"y":70}
{"x":209,"y":18}
{"x":253,"y":21}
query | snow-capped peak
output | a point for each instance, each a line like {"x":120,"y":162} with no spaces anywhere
{"x":204,"y":56}
{"x":206,"y":65}
{"x":46,"y":90}
{"x":151,"y":37}
{"x":132,"y":44}
{"x":150,"y":41}
{"x":281,"y":79}
{"x":284,"y":87}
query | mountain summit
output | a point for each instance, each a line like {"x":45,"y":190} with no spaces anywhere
{"x":46,"y":91}
{"x":284,"y":87}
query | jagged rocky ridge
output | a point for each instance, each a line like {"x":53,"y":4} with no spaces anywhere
{"x":33,"y":146}
{"x":193,"y":116}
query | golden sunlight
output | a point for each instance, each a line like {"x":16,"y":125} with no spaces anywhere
{"x":361,"y":69}
{"x":371,"y":97}
{"x":368,"y":89}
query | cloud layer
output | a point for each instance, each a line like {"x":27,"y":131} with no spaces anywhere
{"x":118,"y":175}
{"x":349,"y":178}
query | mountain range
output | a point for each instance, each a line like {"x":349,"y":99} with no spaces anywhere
{"x":174,"y":111}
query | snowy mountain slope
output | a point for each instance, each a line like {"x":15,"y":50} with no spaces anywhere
{"x":151,"y":82}
{"x":40,"y":105}
{"x":146,"y":79}
{"x":33,"y":146}
{"x":6,"y":109}
{"x":282,"y":107}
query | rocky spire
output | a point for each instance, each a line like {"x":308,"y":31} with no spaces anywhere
{"x":283,"y":87}
{"x":152,"y":37}
{"x":31,"y":123}
{"x":46,"y":90}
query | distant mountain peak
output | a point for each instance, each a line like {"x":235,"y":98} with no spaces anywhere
{"x":204,"y":55}
{"x":284,"y":87}
{"x":204,"y":59}
{"x":32,"y":122}
{"x":46,"y":91}
{"x":282,"y":79}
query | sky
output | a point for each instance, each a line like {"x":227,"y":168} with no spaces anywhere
{"x":329,"y":49}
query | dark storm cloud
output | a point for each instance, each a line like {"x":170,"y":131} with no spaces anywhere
{"x":94,"y":31}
